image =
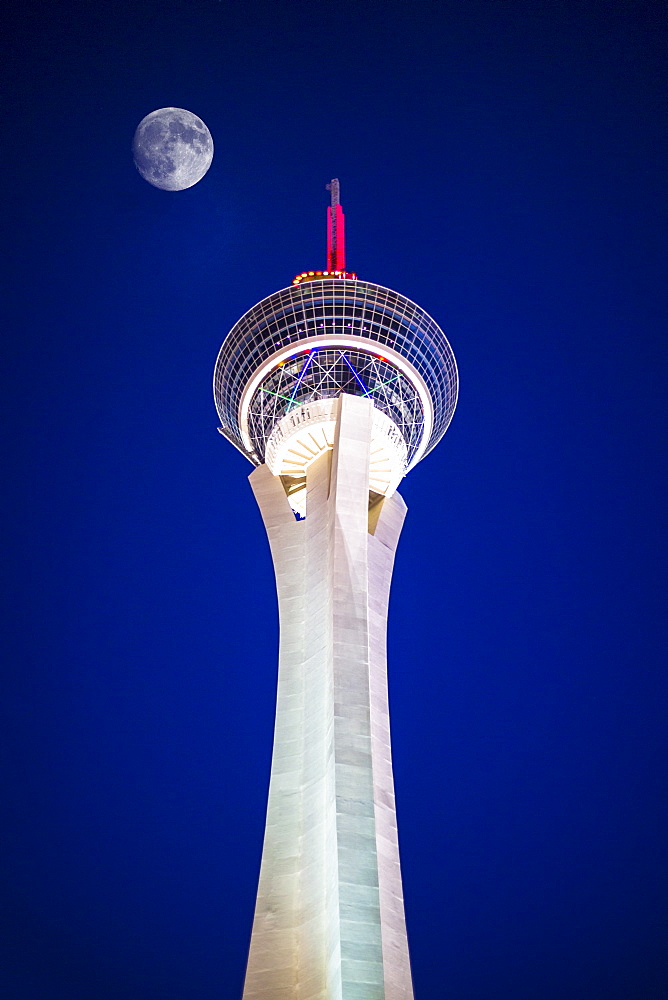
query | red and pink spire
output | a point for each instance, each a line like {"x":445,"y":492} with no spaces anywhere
{"x":336,"y":242}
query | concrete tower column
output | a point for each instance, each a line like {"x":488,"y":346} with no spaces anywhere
{"x":329,"y":920}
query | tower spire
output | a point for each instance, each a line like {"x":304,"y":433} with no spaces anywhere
{"x":336,"y":237}
{"x":336,"y":244}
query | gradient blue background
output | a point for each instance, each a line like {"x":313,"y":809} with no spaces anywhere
{"x":502,"y":164}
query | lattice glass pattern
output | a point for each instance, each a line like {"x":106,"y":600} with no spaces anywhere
{"x":323,"y":373}
{"x":317,"y":308}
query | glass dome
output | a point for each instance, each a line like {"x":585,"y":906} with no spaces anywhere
{"x":318,"y":339}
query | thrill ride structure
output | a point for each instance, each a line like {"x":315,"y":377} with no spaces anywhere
{"x":334,"y":388}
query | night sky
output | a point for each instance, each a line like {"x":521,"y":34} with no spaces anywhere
{"x":503,"y":165}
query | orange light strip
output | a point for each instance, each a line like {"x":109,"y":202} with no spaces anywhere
{"x":314,"y":275}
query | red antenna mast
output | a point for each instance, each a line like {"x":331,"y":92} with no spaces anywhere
{"x":336,"y":235}
{"x":336,"y":245}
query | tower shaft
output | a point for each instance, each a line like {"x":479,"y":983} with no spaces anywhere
{"x":329,"y":920}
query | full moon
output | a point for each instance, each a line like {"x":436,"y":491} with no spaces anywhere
{"x":172,"y":149}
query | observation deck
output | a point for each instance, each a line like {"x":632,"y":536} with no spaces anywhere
{"x":289,"y":357}
{"x":313,"y":341}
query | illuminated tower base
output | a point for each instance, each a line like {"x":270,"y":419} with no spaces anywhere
{"x":329,"y":921}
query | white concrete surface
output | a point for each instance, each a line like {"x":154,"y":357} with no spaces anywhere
{"x":329,"y":920}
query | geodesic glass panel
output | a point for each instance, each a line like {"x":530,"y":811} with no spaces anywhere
{"x":326,"y":372}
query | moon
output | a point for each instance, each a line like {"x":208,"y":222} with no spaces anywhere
{"x":172,"y":149}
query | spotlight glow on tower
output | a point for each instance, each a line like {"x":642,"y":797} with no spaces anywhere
{"x":334,"y":388}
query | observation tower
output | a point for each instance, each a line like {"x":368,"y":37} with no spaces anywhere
{"x":334,"y":388}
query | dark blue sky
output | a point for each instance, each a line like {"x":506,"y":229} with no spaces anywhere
{"x":502,"y":164}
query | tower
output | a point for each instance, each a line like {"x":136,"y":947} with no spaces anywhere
{"x":333,"y":388}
